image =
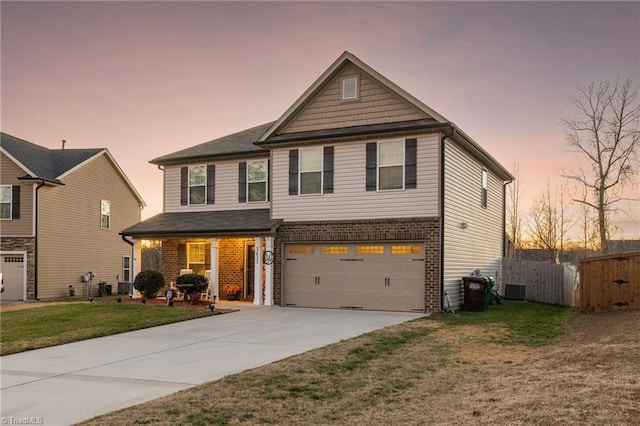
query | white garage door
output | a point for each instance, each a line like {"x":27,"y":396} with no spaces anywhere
{"x":375,"y":276}
{"x":13,"y":275}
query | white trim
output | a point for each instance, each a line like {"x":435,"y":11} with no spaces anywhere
{"x":24,"y":268}
{"x":268,"y":290}
{"x":215,"y":268}
{"x":257,"y":272}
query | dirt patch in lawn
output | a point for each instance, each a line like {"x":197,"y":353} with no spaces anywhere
{"x":427,"y":372}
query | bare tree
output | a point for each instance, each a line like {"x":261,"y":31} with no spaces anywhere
{"x":513,"y":213}
{"x":550,"y":223}
{"x":606,"y":132}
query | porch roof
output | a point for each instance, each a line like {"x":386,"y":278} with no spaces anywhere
{"x":205,"y":224}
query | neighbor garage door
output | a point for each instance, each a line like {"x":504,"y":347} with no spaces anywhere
{"x":376,"y":276}
{"x":13,"y":275}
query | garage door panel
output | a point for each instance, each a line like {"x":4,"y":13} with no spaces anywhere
{"x":379,"y":276}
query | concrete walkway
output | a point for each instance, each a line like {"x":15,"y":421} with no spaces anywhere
{"x":66,"y":384}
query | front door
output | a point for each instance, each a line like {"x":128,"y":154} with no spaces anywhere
{"x":249,"y":270}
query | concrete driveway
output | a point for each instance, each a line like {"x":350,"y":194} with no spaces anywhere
{"x":66,"y":384}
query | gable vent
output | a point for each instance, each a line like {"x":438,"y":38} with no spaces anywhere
{"x":350,"y":88}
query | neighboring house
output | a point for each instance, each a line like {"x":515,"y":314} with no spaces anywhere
{"x":358,"y":196}
{"x":61,"y":211}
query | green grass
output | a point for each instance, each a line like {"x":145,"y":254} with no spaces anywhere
{"x":530,"y":324}
{"x":52,"y":325}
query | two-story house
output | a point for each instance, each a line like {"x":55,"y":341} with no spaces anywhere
{"x":61,"y":211}
{"x":358,"y":196}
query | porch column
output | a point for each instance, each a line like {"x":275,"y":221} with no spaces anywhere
{"x":268,"y":290}
{"x":136,"y":264}
{"x":215,"y":268}
{"x":257,"y":273}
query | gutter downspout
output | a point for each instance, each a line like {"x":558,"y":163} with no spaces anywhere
{"x":442,"y":193}
{"x":35,"y":244}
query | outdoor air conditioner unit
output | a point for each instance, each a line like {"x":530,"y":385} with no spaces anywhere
{"x":515,"y":291}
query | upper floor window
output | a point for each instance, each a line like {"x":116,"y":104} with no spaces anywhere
{"x":485,"y":189}
{"x":350,"y":88}
{"x":6,"y":200}
{"x":257,"y":180}
{"x":391,"y":165}
{"x":105,"y":214}
{"x":311,"y":170}
{"x":197,"y":184}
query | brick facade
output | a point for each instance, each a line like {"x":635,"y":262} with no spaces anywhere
{"x":426,"y":229}
{"x":23,"y":244}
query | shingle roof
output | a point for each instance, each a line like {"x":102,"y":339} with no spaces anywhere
{"x":42,"y":162}
{"x":205,"y":223}
{"x":237,"y":143}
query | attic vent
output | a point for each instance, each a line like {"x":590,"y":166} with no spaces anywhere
{"x":350,"y":88}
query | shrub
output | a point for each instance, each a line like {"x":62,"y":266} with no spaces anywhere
{"x":200,"y":283}
{"x":149,"y":282}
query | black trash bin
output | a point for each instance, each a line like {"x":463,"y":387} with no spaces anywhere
{"x":475,"y":291}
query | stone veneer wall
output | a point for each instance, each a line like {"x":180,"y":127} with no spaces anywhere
{"x":23,"y":244}
{"x":426,"y":229}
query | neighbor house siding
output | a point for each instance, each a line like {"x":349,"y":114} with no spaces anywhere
{"x":9,"y":174}
{"x":350,"y":198}
{"x":479,"y":246}
{"x":226,"y":189}
{"x":70,"y":239}
{"x":376,"y":105}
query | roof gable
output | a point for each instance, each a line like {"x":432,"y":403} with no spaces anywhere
{"x":320,"y":106}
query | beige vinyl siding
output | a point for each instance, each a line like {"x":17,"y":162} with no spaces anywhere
{"x":71,"y":241}
{"x":226,"y":197}
{"x":479,"y":246}
{"x":22,"y":227}
{"x":376,"y":105}
{"x":349,"y":199}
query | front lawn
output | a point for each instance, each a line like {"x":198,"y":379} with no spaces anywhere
{"x":22,"y":330}
{"x":518,"y":363}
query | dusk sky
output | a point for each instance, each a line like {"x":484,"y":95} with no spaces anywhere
{"x":145,"y":79}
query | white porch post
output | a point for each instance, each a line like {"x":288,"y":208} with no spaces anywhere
{"x":257,"y":273}
{"x":215,"y":268}
{"x":268,"y":291}
{"x":136,"y":263}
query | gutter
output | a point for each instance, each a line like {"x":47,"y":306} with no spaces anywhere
{"x":443,"y":137}
{"x":35,"y":245}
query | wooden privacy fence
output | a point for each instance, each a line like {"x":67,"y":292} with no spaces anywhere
{"x":545,"y":282}
{"x":610,"y":282}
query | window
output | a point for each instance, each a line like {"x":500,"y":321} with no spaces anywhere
{"x":301,"y":250}
{"x":105,"y":214}
{"x":484,"y":189}
{"x":391,"y":165}
{"x":335,"y":249}
{"x":257,"y":180}
{"x":197,"y":184}
{"x":406,"y":249}
{"x":126,"y":269}
{"x":311,"y":170}
{"x":350,"y":89}
{"x":6,"y":200}
{"x":196,"y":257}
{"x":369,"y":249}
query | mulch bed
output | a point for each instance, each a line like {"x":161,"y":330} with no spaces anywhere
{"x":193,"y":305}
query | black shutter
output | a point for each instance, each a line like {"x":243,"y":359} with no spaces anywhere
{"x":184,"y":186}
{"x":410,"y":163}
{"x":207,"y":257}
{"x":327,"y":183}
{"x":293,"y":172}
{"x":182,"y":256}
{"x":242,"y":182}
{"x":211,"y":184}
{"x":15,"y":202}
{"x":372,"y":165}
{"x":268,"y":180}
